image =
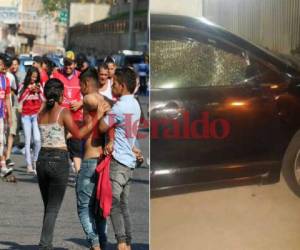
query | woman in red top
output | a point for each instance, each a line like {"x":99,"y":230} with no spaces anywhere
{"x":31,"y":97}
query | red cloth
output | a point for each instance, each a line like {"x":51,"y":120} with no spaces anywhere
{"x":4,"y":91}
{"x":71,"y":91}
{"x":31,"y":101}
{"x":104,"y":190}
{"x":44,"y":77}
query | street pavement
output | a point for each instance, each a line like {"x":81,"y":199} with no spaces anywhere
{"x":255,"y":217}
{"x":21,"y":211}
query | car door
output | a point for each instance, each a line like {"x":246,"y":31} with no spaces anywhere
{"x":213,"y":116}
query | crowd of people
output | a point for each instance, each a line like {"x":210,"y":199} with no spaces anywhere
{"x":73,"y":116}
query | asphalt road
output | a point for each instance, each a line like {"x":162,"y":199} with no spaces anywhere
{"x":241,"y":218}
{"x":21,"y":211}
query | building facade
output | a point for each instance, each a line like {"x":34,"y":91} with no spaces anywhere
{"x":88,"y":13}
{"x":25,"y":28}
{"x":111,"y":34}
{"x":273,"y":24}
{"x":178,"y":7}
{"x":123,"y":6}
{"x":43,"y":32}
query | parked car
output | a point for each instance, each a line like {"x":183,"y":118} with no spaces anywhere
{"x":128,"y":57}
{"x":25,"y":62}
{"x":99,"y":61}
{"x":223,"y":110}
{"x":57,"y":60}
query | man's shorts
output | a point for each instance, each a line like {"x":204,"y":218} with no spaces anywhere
{"x":14,"y":121}
{"x":75,"y":148}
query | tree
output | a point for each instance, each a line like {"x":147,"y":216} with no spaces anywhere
{"x":54,"y":5}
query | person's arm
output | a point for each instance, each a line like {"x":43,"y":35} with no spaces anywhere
{"x":87,"y":128}
{"x":138,"y":153}
{"x":25,"y":94}
{"x":103,"y":126}
{"x":40,"y":91}
{"x":109,"y":147}
{"x":76,"y":105}
{"x":109,"y":120}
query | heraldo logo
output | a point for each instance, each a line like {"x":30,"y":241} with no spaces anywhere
{"x":185,"y":128}
{"x":182,"y":128}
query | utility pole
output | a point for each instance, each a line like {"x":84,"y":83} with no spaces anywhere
{"x":68,"y":23}
{"x":46,"y":31}
{"x":131,"y":22}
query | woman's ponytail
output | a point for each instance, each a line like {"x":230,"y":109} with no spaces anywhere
{"x":53,"y":90}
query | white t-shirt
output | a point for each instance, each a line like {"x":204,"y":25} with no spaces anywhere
{"x":13,"y":85}
{"x":107,"y":92}
{"x":12,"y":80}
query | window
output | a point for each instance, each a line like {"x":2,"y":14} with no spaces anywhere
{"x":189,"y":63}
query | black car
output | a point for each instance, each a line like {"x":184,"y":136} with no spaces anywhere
{"x":223,"y":110}
{"x":128,"y":58}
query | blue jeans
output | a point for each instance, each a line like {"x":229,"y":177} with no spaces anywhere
{"x":30,"y":126}
{"x":93,"y":224}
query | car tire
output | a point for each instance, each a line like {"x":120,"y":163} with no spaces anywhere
{"x":291,"y":164}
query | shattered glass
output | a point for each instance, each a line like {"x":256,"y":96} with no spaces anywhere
{"x":181,"y":64}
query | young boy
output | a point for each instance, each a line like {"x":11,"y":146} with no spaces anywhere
{"x":5,"y":108}
{"x":111,"y":65}
{"x":124,"y":117}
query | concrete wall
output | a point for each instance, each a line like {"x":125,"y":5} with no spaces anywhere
{"x":8,"y":3}
{"x":30,"y":5}
{"x":88,"y":13}
{"x":103,"y":44}
{"x":273,"y":24}
{"x":179,"y":7}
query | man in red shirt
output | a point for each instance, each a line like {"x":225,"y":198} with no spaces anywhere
{"x":73,"y":101}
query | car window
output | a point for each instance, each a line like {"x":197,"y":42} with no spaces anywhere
{"x":131,"y":60}
{"x":190,"y":63}
{"x":25,"y":63}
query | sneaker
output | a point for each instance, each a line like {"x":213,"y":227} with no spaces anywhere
{"x":9,"y":162}
{"x":30,"y":170}
{"x":5,"y":171}
{"x":34,"y":167}
{"x":72,"y":165}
